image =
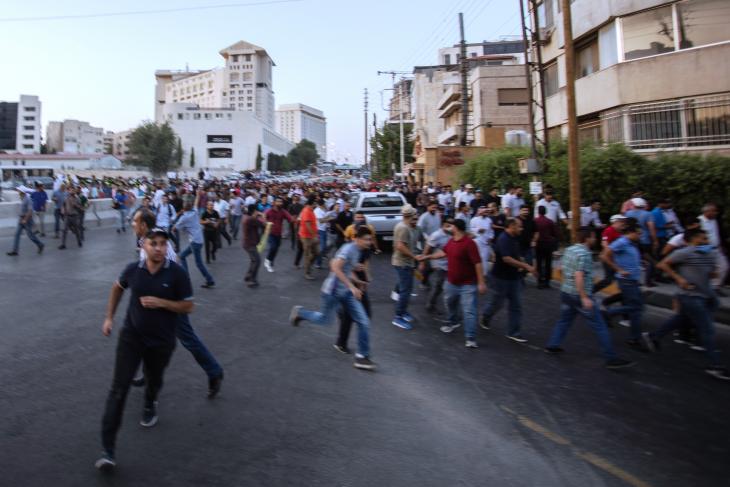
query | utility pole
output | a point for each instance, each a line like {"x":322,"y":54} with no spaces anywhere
{"x":365,"y":157}
{"x":573,"y":162}
{"x":374,"y":163}
{"x":537,"y":48}
{"x":464,"y":83}
{"x":400,"y":117}
{"x":528,"y":79}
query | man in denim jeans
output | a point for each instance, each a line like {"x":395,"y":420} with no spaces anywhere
{"x":507,"y":274}
{"x":693,"y":268}
{"x":343,"y":288}
{"x":576,"y":298}
{"x":404,"y":261}
{"x":464,"y":278}
{"x":624,"y":257}
{"x":190,"y":223}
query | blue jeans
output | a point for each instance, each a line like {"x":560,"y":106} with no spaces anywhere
{"x":633,"y":305}
{"x":274,"y":243}
{"x":510,"y":289}
{"x":235,"y":225}
{"x":466,"y":294}
{"x":195,"y":249}
{"x":404,"y":287}
{"x":28,"y":227}
{"x":192,"y":343}
{"x":699,"y":311}
{"x":123,"y":210}
{"x":322,"y":246}
{"x":328,"y":308}
{"x":570,"y":306}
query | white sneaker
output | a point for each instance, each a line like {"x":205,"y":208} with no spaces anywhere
{"x":471,"y":344}
{"x":449,"y":328}
{"x":394,"y":296}
{"x":625,"y":323}
{"x":268,"y":266}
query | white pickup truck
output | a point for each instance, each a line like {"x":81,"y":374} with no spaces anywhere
{"x":382,"y":211}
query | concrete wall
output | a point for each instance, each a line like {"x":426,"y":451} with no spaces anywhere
{"x":486,"y":81}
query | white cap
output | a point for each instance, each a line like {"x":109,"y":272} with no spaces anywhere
{"x":616,"y":218}
{"x":639,"y":202}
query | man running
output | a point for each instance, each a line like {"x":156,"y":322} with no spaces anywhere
{"x":190,"y":223}
{"x":25,"y":222}
{"x":161,"y":291}
{"x":276,"y":216}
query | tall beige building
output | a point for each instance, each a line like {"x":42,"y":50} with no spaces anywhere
{"x":652,"y":74}
{"x":74,"y":137}
{"x":243,"y":84}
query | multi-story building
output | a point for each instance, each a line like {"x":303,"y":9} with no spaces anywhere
{"x":243,"y":84}
{"x":513,"y":48}
{"x":74,"y":137}
{"x":120,"y":144}
{"x":401,"y":101}
{"x":108,"y":141}
{"x":297,"y":121}
{"x":652,"y":74}
{"x":20,"y":125}
{"x":222,"y":137}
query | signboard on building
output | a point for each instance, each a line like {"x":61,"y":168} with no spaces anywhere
{"x":220,"y":139}
{"x":220,"y":153}
{"x":450,"y":157}
{"x":535,"y":187}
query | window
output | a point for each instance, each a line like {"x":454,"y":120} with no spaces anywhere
{"x":512,"y":96}
{"x":708,"y":123}
{"x":235,"y":58}
{"x":651,"y":127}
{"x":247,"y":58}
{"x":586,"y":58}
{"x":235,"y":77}
{"x":648,"y":33}
{"x":546,"y":13}
{"x":220,"y":153}
{"x":196,"y":116}
{"x":247,"y":76}
{"x":27,"y":146}
{"x":208,"y":116}
{"x":382,"y":201}
{"x":29,"y":109}
{"x":28,"y":127}
{"x":28,"y":137}
{"x":703,"y":22}
{"x":447,"y":58}
{"x":550,"y":75}
{"x":29,"y":119}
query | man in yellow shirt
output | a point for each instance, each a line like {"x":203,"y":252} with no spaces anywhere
{"x":359,"y":221}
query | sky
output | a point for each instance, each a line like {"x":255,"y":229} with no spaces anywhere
{"x":101,"y":69}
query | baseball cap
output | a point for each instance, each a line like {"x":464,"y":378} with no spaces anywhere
{"x":616,"y":218}
{"x":639,"y":202}
{"x":407,"y":210}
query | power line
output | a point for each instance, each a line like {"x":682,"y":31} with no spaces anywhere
{"x":144,"y":12}
{"x":479,"y":13}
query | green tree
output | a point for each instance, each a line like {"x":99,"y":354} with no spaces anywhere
{"x":153,"y":146}
{"x":179,"y":153}
{"x":302,"y":156}
{"x":192,"y":157}
{"x":259,"y":158}
{"x":385,"y":146}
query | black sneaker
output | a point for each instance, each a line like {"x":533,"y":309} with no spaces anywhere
{"x":40,"y":248}
{"x":12,"y":254}
{"x":342,"y":349}
{"x":294,"y":318}
{"x":364,"y":363}
{"x":717,"y":372}
{"x":484,"y":323}
{"x":106,"y":462}
{"x":554,"y":350}
{"x":214,"y":386}
{"x":149,"y":415}
{"x":619,"y":363}
{"x":139,"y":380}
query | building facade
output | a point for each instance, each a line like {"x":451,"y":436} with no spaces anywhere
{"x":60,"y":162}
{"x":245,"y":83}
{"x":297,"y":121}
{"x":652,"y":74}
{"x":120,"y":144}
{"x":74,"y":137}
{"x":20,"y":125}
{"x":222,"y":138}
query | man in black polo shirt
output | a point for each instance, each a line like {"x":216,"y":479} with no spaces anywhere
{"x":160,"y":291}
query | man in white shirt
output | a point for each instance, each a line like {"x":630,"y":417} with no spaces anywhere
{"x":504,"y":203}
{"x":322,"y":215}
{"x":236,"y":209}
{"x":514,"y":203}
{"x":710,"y":225}
{"x":446,"y":199}
{"x":481,"y":227}
{"x":223,"y":207}
{"x":590,"y":215}
{"x":554,"y":210}
{"x":466,"y":197}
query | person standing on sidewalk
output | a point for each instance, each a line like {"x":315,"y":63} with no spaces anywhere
{"x":624,"y":258}
{"x":308,"y":236}
{"x":404,"y":261}
{"x":576,"y":298}
{"x":253,"y":228}
{"x":465,"y":278}
{"x":40,"y":202}
{"x":547,"y":243}
{"x":692,"y":268}
{"x":276,"y":216}
{"x":341,"y":289}
{"x":189,"y":222}
{"x":160,"y":292}
{"x":507,"y":273}
{"x":25,"y":221}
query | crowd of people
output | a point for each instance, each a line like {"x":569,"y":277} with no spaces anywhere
{"x":456,"y":244}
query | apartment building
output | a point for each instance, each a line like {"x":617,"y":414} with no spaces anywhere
{"x":20,"y":125}
{"x":74,"y":137}
{"x":652,"y":74}
{"x":297,"y":121}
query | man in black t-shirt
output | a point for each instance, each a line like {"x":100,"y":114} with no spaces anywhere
{"x":507,"y":280}
{"x":161,"y":291}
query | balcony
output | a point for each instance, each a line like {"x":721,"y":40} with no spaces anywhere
{"x":448,"y":136}
{"x":451,"y":94}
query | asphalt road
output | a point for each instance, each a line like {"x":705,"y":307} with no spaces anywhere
{"x":294,"y":412}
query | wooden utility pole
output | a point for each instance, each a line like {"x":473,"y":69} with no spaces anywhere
{"x":365,"y":156}
{"x":528,"y":80}
{"x":573,"y":162}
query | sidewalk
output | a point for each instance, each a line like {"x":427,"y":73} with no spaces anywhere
{"x":659,"y":296}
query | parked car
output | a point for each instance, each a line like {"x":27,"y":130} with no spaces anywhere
{"x":382,"y":210}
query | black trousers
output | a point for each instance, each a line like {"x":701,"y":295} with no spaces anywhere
{"x":211,"y":240}
{"x":300,"y":252}
{"x":346,"y":321}
{"x":544,"y":257}
{"x":253,"y":268}
{"x":130,"y":352}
